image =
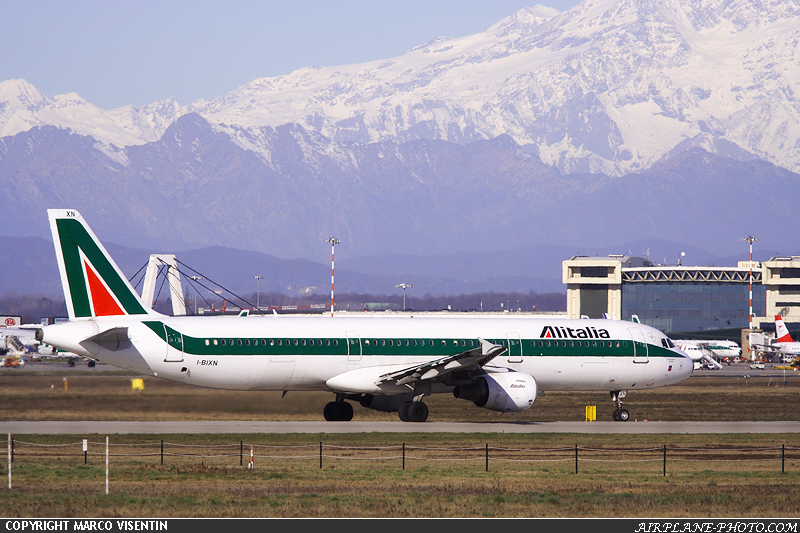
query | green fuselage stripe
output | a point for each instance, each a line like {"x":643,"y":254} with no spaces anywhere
{"x":397,"y":346}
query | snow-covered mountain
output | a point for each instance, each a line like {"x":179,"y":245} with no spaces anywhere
{"x":609,"y":86}
{"x":612,"y":122}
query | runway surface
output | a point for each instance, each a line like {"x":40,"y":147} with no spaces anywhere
{"x":321,"y":427}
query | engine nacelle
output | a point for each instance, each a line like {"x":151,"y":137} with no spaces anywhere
{"x":511,"y":391}
{"x":388,"y":403}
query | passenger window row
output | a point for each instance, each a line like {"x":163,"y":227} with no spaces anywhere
{"x":579,"y":344}
{"x":412,"y":342}
{"x":272,"y":342}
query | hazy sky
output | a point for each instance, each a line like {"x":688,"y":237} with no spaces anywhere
{"x":114,"y":53}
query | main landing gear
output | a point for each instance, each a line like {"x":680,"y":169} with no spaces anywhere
{"x":620,"y":414}
{"x":338,"y":411}
{"x":415,"y":411}
{"x":409,"y":411}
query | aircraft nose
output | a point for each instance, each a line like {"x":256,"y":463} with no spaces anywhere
{"x":688,"y":362}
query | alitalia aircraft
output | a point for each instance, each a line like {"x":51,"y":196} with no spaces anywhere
{"x":385,"y":363}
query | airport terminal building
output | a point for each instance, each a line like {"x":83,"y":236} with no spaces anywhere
{"x":676,"y":298}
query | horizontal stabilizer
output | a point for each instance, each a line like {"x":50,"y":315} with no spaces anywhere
{"x":112,"y":339}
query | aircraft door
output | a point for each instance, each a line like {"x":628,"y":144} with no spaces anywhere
{"x":174,"y":344}
{"x":640,"y":349}
{"x":514,"y":347}
{"x":353,"y":346}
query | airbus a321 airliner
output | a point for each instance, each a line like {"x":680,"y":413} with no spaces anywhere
{"x":385,"y":363}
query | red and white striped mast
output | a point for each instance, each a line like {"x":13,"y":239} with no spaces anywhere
{"x":334,"y":241}
{"x":751,"y":239}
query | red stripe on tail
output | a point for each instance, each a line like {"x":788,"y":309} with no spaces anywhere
{"x":102,"y":301}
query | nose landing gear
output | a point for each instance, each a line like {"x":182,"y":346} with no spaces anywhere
{"x":620,"y":414}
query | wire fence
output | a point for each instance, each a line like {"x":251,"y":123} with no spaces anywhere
{"x":577,"y":458}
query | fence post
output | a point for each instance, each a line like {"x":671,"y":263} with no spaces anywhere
{"x":12,"y":449}
{"x":106,"y":464}
{"x":487,"y":456}
{"x":783,"y":458}
{"x":320,"y":455}
{"x":162,"y":452}
{"x":9,"y":461}
{"x":665,"y":460}
{"x":241,"y":453}
{"x":404,"y":456}
{"x":576,"y":458}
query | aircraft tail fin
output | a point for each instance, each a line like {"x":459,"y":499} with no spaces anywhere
{"x":781,"y":331}
{"x":93,"y":284}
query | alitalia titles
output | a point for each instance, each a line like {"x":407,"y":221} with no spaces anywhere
{"x":561,"y":332}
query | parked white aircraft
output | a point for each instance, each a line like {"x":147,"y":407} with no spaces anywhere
{"x":783,"y":343}
{"x":388,"y":363}
{"x":724,"y":349}
{"x":700,"y":352}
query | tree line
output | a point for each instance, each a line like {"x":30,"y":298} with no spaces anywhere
{"x":33,"y":307}
{"x":482,"y":301}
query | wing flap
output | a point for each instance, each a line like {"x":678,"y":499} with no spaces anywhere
{"x":378,"y":380}
{"x":446,"y":365}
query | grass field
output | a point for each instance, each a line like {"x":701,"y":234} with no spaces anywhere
{"x":363,"y":475}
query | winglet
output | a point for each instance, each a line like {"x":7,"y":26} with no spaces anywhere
{"x":93,"y":284}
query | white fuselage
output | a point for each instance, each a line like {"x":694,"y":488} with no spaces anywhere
{"x":786,"y":348}
{"x":304,"y":352}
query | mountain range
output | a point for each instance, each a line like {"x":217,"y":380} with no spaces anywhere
{"x":614,"y":122}
{"x":29,"y":267}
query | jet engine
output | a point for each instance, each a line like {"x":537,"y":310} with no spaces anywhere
{"x":512,"y":391}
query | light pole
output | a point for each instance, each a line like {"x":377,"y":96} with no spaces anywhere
{"x":196,"y":279}
{"x":404,"y":287}
{"x":258,"y":292}
{"x":334,"y":241}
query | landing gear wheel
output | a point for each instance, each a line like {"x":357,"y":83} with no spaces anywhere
{"x":338,"y":412}
{"x":417,"y":412}
{"x":619,"y":414}
{"x":413,"y":412}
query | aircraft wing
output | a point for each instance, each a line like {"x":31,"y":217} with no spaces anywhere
{"x":446,"y":365}
{"x":755,"y":345}
{"x":378,"y":379}
{"x":767,"y":348}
